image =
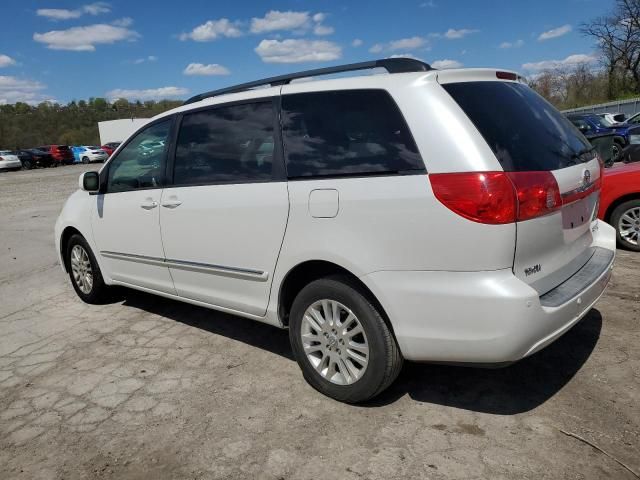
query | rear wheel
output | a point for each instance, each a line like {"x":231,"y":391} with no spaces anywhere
{"x":341,"y":342}
{"x":84,"y":271}
{"x":626,"y":220}
{"x":27,"y":165}
{"x":85,"y":160}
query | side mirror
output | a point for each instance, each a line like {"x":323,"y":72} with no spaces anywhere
{"x":583,"y":128}
{"x":89,"y":181}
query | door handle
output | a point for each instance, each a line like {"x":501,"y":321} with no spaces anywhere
{"x":173,"y":203}
{"x":149,"y":204}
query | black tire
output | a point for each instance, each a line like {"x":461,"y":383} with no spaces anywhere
{"x":617,"y":215}
{"x":27,"y":165}
{"x":99,"y":292}
{"x":85,"y":160}
{"x":616,"y":151}
{"x":385,"y":360}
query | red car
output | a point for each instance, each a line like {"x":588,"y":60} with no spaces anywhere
{"x":620,"y":202}
{"x":62,"y":154}
{"x":110,"y":147}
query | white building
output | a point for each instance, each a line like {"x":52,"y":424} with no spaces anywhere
{"x":119,"y":130}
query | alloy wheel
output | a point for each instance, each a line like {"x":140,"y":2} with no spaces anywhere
{"x":81,"y":269}
{"x":334,"y":342}
{"x":629,"y":226}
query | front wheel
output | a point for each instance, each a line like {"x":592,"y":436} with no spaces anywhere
{"x":84,"y":271}
{"x":85,"y":160}
{"x":27,"y":165}
{"x":626,"y":220}
{"x":341,"y":342}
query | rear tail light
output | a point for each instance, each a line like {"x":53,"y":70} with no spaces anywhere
{"x":497,"y":197}
{"x":484,"y":197}
{"x":538,"y":194}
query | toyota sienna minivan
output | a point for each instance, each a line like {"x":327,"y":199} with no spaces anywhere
{"x":415,"y":214}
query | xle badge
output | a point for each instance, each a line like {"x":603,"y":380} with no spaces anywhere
{"x":532,"y":270}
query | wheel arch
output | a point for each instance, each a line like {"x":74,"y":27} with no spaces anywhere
{"x":66,"y":235}
{"x":304,"y":273}
{"x":619,"y":201}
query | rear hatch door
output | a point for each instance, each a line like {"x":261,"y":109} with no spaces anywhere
{"x":527,"y":134}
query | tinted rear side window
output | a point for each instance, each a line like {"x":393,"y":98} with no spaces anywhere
{"x":524,"y":131}
{"x":233,"y":144}
{"x":346,"y":133}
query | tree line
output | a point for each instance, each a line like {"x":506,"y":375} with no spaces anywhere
{"x":615,"y":75}
{"x":76,"y":123}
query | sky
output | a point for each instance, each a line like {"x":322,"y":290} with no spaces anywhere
{"x":61,"y":50}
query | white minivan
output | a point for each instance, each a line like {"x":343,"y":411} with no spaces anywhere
{"x":417,"y":214}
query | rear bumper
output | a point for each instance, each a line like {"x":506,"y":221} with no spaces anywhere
{"x":490,"y":316}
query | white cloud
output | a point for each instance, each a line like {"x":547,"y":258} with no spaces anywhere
{"x":446,"y":63}
{"x":571,"y":60}
{"x":65,"y":14}
{"x":298,"y":22}
{"x":201,"y":69}
{"x":213,"y":29}
{"x":123,"y":22}
{"x":96,"y":8}
{"x":298,"y":51}
{"x":323,"y":30}
{"x":84,"y":39}
{"x":430,"y":4}
{"x":516,"y":44}
{"x":14,"y":90}
{"x":555,"y":32}
{"x":150,"y":58}
{"x":147,"y":94}
{"x":453,"y":34}
{"x":6,"y":61}
{"x":276,"y":20}
{"x":356,"y":42}
{"x":411,"y":43}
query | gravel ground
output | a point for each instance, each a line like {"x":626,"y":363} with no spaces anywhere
{"x":151,"y":388}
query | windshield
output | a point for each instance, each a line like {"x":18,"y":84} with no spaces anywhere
{"x":525,"y":132}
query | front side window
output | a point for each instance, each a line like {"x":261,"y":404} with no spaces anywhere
{"x":141,"y":163}
{"x":351,"y":132}
{"x":229,"y":144}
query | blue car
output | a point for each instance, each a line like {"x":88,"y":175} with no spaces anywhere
{"x":591,"y":124}
{"x":88,"y":154}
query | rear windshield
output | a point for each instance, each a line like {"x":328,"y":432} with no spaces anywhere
{"x":63,"y":147}
{"x":525,"y":132}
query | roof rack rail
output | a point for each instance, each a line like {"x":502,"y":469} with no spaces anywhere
{"x":392,"y":65}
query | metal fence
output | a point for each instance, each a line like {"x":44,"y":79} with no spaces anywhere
{"x":628,"y":107}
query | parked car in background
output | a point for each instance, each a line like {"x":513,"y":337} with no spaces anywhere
{"x":620,"y":203}
{"x":61,"y":154}
{"x":89,"y":154}
{"x":9,"y":161}
{"x":633,"y":120}
{"x":613,"y":119}
{"x":373,"y":235}
{"x":591,"y":124}
{"x":33,"y":157}
{"x":603,"y":145}
{"x":110,"y":147}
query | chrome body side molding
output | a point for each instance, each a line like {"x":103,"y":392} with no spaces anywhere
{"x":250,"y":274}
